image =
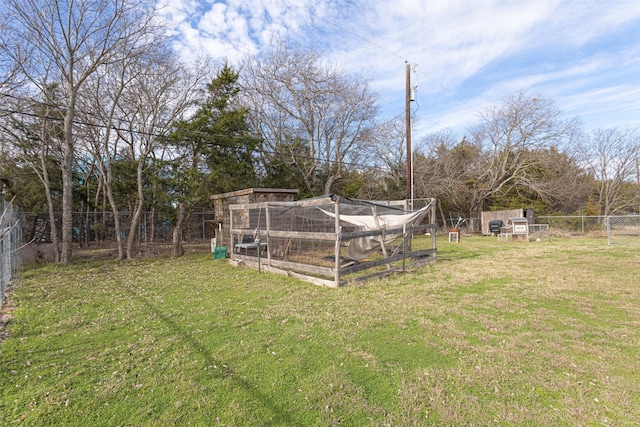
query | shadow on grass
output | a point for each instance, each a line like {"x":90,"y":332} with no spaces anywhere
{"x":449,"y":256}
{"x":281,"y":416}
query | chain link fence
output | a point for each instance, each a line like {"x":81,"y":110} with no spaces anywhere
{"x":94,"y":226}
{"x":597,"y":226}
{"x":10,"y":242}
{"x":97,"y":228}
{"x":575,"y":225}
{"x":623,"y":230}
{"x":616,"y":229}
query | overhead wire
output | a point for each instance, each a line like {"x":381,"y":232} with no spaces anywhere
{"x":395,"y":54}
{"x":165,"y":137}
{"x":342,"y":28}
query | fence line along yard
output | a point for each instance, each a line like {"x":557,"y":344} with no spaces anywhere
{"x":99,"y":226}
{"x":591,"y":225}
{"x":156,"y":227}
{"x":623,"y":229}
{"x":10,"y":241}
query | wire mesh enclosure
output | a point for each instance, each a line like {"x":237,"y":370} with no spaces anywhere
{"x":576,"y":225}
{"x":538,"y":232}
{"x":331,"y":239}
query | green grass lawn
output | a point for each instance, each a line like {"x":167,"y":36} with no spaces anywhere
{"x":493,"y":333}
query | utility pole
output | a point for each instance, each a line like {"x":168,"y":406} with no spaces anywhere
{"x":408,"y":132}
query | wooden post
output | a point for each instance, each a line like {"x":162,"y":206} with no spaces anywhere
{"x":231,"y":248}
{"x":408,"y":132}
{"x":374,"y":211}
{"x":408,"y":206}
{"x":434,"y":212}
{"x":404,"y":249}
{"x":268,"y":219}
{"x":432,"y":215}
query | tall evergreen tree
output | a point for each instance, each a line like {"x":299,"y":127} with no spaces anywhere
{"x":217,"y":138}
{"x":216,"y":149}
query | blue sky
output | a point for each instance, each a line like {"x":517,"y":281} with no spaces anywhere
{"x":466,"y":55}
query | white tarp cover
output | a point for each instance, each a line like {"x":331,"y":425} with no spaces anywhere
{"x":361,"y":247}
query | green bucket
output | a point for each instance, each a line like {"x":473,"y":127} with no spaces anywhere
{"x":220,"y":252}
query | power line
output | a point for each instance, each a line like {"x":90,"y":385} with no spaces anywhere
{"x":450,"y":92}
{"x":395,"y":54}
{"x":165,"y":137}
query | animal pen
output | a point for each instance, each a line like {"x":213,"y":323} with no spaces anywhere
{"x":331,"y":240}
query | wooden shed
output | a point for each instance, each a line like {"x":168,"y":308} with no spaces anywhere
{"x":222,"y":201}
{"x":504,"y":215}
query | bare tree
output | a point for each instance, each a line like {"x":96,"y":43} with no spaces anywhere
{"x":435,"y":171}
{"x":38,"y":137}
{"x":294,"y":96}
{"x":383,"y":158}
{"x":10,"y":60}
{"x":507,"y":152}
{"x":160,"y":94}
{"x":559,"y":180}
{"x":441,"y":163}
{"x":507,"y":136}
{"x":611,"y":156}
{"x":103,"y":97}
{"x":75,"y":39}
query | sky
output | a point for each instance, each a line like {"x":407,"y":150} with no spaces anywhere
{"x":465,"y":56}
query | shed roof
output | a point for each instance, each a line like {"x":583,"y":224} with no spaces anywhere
{"x":252,"y":191}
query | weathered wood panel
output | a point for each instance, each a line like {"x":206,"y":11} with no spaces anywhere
{"x":487,"y":216}
{"x":383,"y":261}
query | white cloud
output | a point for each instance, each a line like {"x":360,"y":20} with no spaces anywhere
{"x":469,"y":53}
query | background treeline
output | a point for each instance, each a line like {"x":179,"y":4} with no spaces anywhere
{"x":97,"y":114}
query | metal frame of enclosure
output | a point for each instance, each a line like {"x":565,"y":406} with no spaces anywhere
{"x":313,"y":239}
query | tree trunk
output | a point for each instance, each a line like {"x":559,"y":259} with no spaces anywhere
{"x":444,"y":218}
{"x":87,"y":216}
{"x":67,"y":186}
{"x":116,"y":220}
{"x":178,"y":250}
{"x":152,"y":231}
{"x":52,"y":217}
{"x":137,"y":212}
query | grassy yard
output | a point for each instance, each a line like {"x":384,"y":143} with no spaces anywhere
{"x":493,"y":333}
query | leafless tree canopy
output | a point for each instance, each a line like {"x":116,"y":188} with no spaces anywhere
{"x":506,"y":152}
{"x":384,"y":157}
{"x":293,"y":95}
{"x":67,"y":42}
{"x":611,"y":156}
{"x":509,"y":135}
